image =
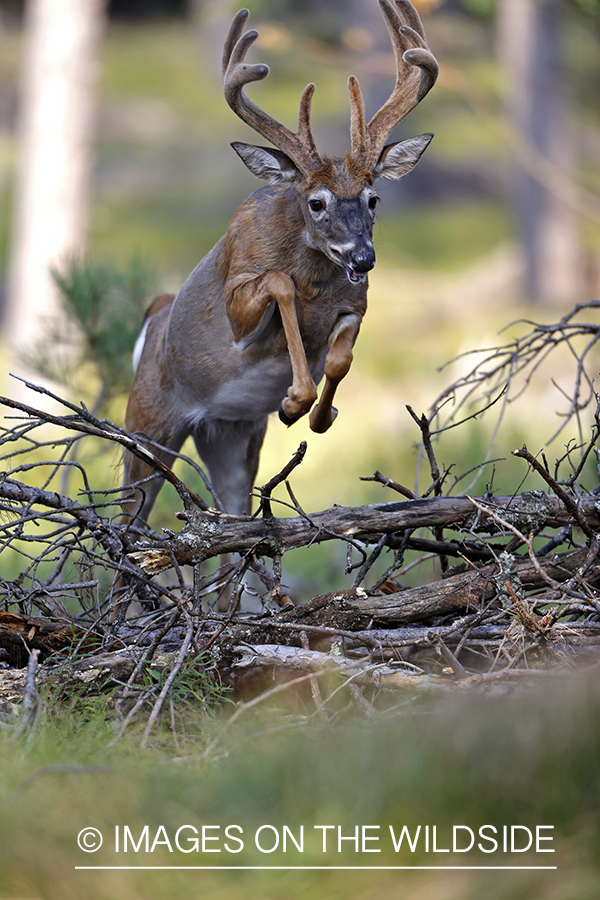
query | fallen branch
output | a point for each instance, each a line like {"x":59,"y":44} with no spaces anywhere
{"x":282,"y":662}
{"x":210,"y":534}
{"x":512,"y":603}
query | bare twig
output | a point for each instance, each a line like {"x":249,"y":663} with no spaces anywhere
{"x":571,"y":505}
{"x":166,"y":688}
{"x":268,"y":488}
{"x":389,"y":482}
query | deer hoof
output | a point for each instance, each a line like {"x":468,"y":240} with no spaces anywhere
{"x":320,"y":423}
{"x":287,"y":420}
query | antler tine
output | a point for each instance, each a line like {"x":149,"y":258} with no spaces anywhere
{"x":411,"y":18}
{"x":416,"y":73}
{"x":233,"y":35}
{"x":358,"y":129}
{"x":305,"y":134}
{"x":236,"y":73}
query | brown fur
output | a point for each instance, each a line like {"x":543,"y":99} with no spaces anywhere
{"x":344,"y":177}
{"x":159,"y":303}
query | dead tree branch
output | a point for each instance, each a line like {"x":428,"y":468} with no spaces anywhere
{"x":525,"y":594}
{"x":211,"y":534}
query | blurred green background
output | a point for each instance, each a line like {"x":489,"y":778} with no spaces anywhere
{"x":451,"y":273}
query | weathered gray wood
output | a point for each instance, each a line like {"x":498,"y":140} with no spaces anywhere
{"x":209,"y":534}
{"x":291,"y":661}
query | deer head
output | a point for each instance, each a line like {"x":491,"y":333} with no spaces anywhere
{"x":337,"y":196}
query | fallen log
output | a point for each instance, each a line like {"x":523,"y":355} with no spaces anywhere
{"x":20,"y":634}
{"x":282,"y":662}
{"x":464,"y":591}
{"x":263,"y":664}
{"x":212,"y":533}
{"x":353,"y":609}
{"x":573,"y":634}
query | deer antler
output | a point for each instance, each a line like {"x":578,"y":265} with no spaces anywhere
{"x":236,"y":73}
{"x":416,"y":72}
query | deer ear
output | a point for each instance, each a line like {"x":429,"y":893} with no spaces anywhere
{"x":398,"y":159}
{"x":267,"y":163}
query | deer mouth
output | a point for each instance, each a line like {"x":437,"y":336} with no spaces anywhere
{"x":356,"y":264}
{"x":355,"y":277}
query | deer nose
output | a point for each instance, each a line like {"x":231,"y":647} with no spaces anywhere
{"x":363,"y":260}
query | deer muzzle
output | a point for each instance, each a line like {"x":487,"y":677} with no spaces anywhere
{"x":357,"y":262}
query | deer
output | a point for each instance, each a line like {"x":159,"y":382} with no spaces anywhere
{"x":278,"y":302}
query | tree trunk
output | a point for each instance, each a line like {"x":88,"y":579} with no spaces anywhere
{"x":57,"y":104}
{"x":543,"y":198}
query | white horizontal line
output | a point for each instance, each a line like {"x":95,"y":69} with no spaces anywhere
{"x":328,"y":868}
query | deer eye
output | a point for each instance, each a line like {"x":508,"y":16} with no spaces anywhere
{"x":316,"y":205}
{"x":373,"y":201}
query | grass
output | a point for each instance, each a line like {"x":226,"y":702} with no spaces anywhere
{"x":502,"y":760}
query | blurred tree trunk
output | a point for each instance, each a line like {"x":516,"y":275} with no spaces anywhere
{"x":57,"y":102}
{"x":529,"y":33}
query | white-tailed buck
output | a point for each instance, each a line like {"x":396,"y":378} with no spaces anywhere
{"x":278,"y":302}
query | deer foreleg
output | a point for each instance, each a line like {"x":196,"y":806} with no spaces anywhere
{"x":303,"y":391}
{"x":249,"y":303}
{"x":337,"y":365}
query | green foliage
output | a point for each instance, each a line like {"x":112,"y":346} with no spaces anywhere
{"x":194,"y":690}
{"x":588,"y":7}
{"x":103,"y":308}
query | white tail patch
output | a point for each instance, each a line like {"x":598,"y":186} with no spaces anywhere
{"x":139,"y":345}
